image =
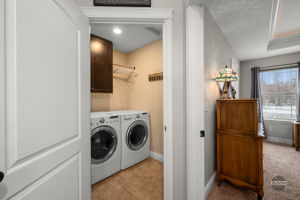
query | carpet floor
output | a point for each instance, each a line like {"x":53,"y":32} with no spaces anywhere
{"x":279,"y":160}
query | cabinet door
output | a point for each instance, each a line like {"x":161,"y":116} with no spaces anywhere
{"x":239,"y":157}
{"x":101,"y":65}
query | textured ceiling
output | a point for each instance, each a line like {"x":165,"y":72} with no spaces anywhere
{"x":132,"y":37}
{"x":246,"y":25}
{"x":238,"y":15}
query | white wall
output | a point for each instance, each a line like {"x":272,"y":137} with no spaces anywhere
{"x":217,"y":54}
{"x":146,"y":95}
{"x":277,"y":131}
{"x":179,"y":165}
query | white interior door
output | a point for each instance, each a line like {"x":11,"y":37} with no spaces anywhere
{"x":44,"y":100}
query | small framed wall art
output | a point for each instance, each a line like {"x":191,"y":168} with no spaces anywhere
{"x":127,"y":3}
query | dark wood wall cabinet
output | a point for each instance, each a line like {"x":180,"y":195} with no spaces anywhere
{"x":101,"y":65}
{"x":239,"y":144}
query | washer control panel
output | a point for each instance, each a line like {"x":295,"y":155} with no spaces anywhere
{"x":98,"y":121}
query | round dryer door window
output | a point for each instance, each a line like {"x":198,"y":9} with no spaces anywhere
{"x":103,"y":144}
{"x":137,"y":135}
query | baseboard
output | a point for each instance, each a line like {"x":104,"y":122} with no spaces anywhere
{"x":280,"y":140}
{"x":157,"y":156}
{"x":209,"y":185}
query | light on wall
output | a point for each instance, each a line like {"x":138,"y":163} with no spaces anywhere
{"x":96,"y":46}
{"x":226,"y":75}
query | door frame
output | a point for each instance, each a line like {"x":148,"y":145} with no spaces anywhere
{"x":163,"y":16}
{"x":195,"y":101}
{"x":2,"y":85}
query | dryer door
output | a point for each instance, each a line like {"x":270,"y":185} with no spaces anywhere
{"x":137,"y":135}
{"x":104,"y":142}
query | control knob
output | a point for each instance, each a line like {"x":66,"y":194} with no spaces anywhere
{"x":102,"y":120}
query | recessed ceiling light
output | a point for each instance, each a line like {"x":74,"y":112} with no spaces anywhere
{"x":117,"y":31}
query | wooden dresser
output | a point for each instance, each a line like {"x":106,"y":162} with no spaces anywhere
{"x":297,"y":135}
{"x":239,"y":144}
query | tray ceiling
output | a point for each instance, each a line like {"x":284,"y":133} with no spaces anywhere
{"x":258,"y":28}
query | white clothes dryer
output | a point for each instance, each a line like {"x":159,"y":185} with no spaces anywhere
{"x":135,"y":128}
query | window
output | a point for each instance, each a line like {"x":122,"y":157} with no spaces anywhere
{"x":280,"y":93}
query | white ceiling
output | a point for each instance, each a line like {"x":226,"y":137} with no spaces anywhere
{"x":250,"y":29}
{"x":132,"y":37}
{"x":288,"y":17}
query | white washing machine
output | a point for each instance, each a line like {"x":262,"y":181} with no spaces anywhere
{"x":135,"y":126}
{"x":105,"y":145}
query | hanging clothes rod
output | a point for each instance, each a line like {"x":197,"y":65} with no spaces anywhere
{"x":124,"y":66}
{"x":124,"y":72}
{"x":284,"y":66}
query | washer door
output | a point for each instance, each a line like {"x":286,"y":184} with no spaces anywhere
{"x":104,"y":142}
{"x":137,"y":135}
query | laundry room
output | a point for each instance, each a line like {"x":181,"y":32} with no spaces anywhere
{"x":127,"y":126}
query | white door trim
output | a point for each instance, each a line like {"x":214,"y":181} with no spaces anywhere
{"x":150,"y":16}
{"x":210,"y":184}
{"x":195,"y":102}
{"x":2,"y":86}
{"x":99,"y":14}
{"x":157,"y":156}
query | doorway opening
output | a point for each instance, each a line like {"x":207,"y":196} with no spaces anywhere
{"x":127,"y":145}
{"x":134,"y":82}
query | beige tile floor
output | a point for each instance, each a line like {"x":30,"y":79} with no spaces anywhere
{"x":143,"y":181}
